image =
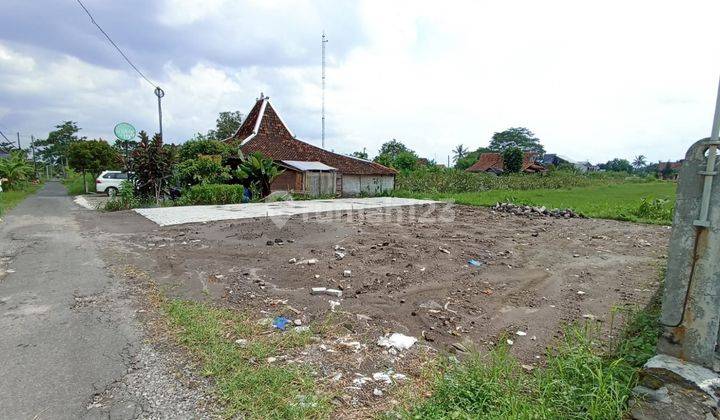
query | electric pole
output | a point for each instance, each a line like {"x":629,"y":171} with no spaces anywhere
{"x":324,"y":41}
{"x":18,"y":137}
{"x":160,"y":93}
{"x":32,"y":148}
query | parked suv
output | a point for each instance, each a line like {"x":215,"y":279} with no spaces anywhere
{"x":109,"y":182}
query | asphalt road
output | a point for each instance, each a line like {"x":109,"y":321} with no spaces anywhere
{"x":66,"y":330}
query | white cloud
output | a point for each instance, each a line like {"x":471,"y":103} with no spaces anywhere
{"x":593,"y":80}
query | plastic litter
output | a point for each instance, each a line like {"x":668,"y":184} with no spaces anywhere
{"x":475,"y":263}
{"x":397,"y":341}
{"x":281,"y":323}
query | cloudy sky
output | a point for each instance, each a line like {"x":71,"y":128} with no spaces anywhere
{"x":594,"y":80}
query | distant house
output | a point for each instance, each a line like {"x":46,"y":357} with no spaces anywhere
{"x":493,"y":163}
{"x":557,"y":160}
{"x":669,"y":170}
{"x":264,"y":131}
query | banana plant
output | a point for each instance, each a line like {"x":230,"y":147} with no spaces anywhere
{"x":259,"y":170}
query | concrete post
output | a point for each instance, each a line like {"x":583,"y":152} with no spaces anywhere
{"x":691,"y":299}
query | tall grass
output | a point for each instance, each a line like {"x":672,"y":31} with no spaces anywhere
{"x":74,"y":183}
{"x":580,"y":380}
{"x":455,"y":181}
{"x":212,"y":194}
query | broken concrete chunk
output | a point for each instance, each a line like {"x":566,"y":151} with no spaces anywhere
{"x":347,"y":273}
{"x":339,"y":255}
{"x":325,"y":291}
{"x":333,"y":292}
{"x":318,"y":291}
{"x":292,"y":260}
{"x":397,"y":341}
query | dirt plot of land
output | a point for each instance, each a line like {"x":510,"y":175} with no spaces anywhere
{"x":408,"y":273}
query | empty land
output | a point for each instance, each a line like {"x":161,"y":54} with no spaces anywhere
{"x":408,"y":273}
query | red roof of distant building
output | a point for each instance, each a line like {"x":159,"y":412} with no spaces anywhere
{"x":264,"y":131}
{"x":494,"y":162}
{"x":673,"y":165}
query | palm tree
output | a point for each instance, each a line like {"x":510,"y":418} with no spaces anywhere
{"x":639,"y":161}
{"x":460,"y":152}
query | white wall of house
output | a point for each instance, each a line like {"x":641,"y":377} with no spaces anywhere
{"x":366,"y":184}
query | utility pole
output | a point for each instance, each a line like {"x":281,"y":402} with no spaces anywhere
{"x":159,"y":93}
{"x":32,"y":148}
{"x":18,"y":137}
{"x":324,"y":41}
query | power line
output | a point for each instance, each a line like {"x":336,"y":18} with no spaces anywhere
{"x":115,"y":45}
{"x":5,"y":137}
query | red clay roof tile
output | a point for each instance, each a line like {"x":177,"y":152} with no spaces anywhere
{"x":274,"y":140}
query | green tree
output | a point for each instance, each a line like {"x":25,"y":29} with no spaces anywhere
{"x":54,"y":149}
{"x":459,"y":152}
{"x":91,"y":156}
{"x":405,"y":161}
{"x":393,"y":148}
{"x":639,"y":161}
{"x":258,"y":170}
{"x":226,"y":125}
{"x":192,"y":149}
{"x":360,"y":155}
{"x":512,"y":159}
{"x":395,"y":154}
{"x":204,"y":169}
{"x":519,"y":137}
{"x":16,"y":169}
{"x":152,"y":164}
{"x":617,"y":165}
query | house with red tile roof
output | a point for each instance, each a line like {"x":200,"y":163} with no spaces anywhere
{"x":493,"y":163}
{"x":264,"y":131}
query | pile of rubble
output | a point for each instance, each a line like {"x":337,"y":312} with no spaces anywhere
{"x":535,"y":211}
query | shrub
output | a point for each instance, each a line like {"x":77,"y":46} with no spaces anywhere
{"x":655,"y":209}
{"x":201,"y":170}
{"x":125,"y":199}
{"x":512,"y":159}
{"x":257,"y":170}
{"x":213,"y":194}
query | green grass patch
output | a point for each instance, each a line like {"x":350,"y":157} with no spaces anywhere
{"x":10,"y":199}
{"x":647,"y":202}
{"x":247,"y":385}
{"x":74,"y":183}
{"x":584,"y":378}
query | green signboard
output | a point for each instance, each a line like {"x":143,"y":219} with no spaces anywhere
{"x":125,"y":131}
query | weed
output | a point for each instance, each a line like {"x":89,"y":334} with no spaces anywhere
{"x":74,"y":183}
{"x":247,"y":384}
{"x":580,"y":380}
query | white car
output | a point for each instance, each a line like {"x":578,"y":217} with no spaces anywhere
{"x":108,"y":182}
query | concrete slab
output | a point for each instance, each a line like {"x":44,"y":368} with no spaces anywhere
{"x":167,"y":216}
